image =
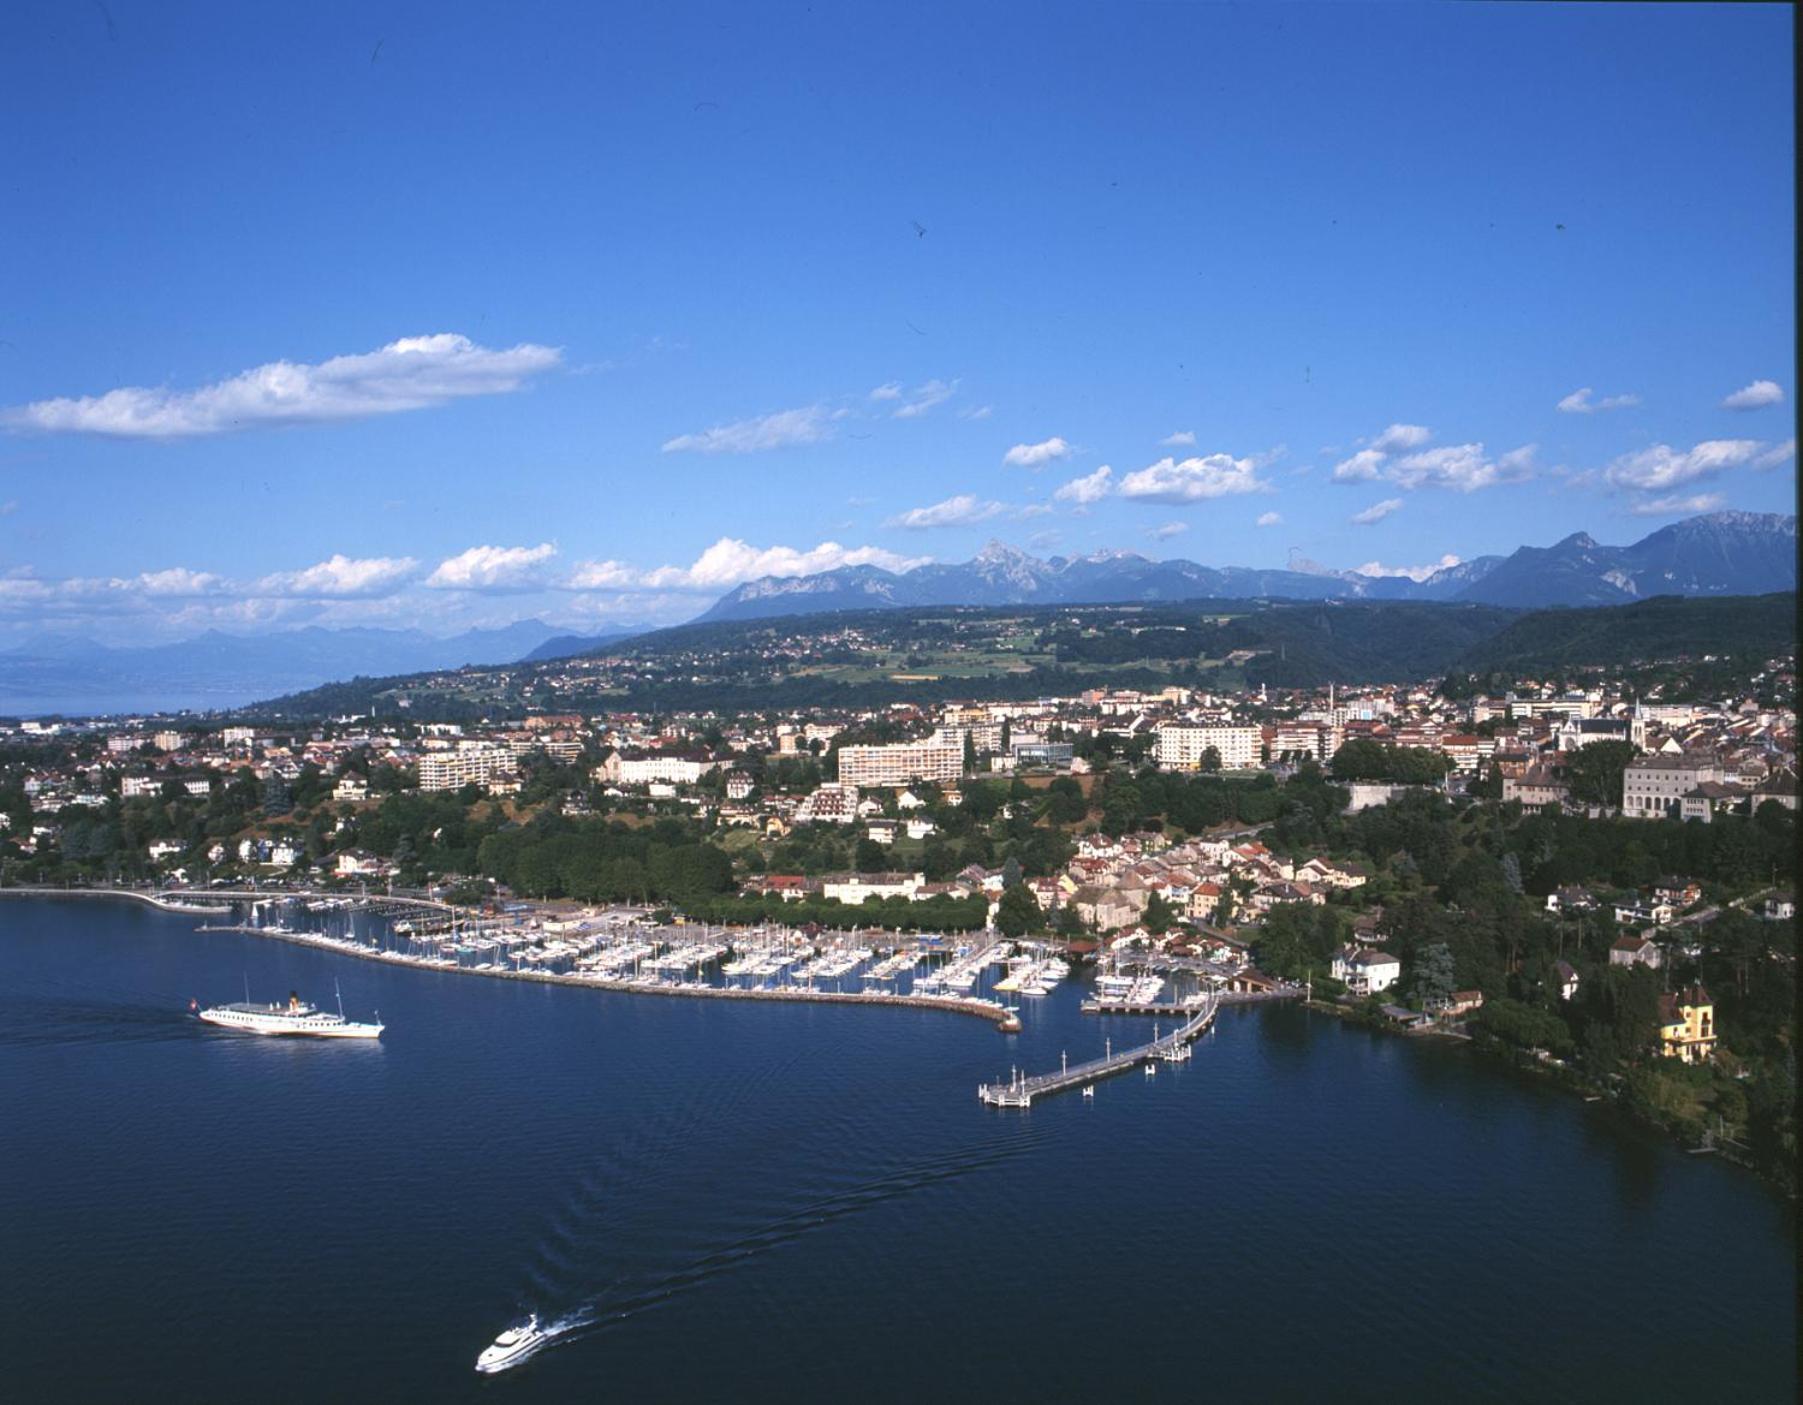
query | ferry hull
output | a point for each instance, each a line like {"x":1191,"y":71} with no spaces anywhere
{"x":277,"y":1028}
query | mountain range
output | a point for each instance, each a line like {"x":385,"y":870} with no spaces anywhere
{"x":1722,"y":553}
{"x":214,"y":670}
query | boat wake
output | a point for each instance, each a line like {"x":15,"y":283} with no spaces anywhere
{"x":48,"y":1021}
{"x":614,"y":1306}
{"x":603,"y":1219}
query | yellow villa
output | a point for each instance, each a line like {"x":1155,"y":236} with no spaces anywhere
{"x":1687,"y":1025}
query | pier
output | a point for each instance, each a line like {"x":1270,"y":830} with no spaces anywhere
{"x":1174,"y":1047}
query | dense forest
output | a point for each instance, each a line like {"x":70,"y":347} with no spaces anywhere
{"x":1762,"y":626}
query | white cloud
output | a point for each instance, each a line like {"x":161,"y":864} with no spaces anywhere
{"x":729,"y":562}
{"x":1580,"y":403}
{"x":959,"y":511}
{"x":1675,"y":506}
{"x":180,"y":582}
{"x":808,"y":425}
{"x":604,"y":575}
{"x":924,"y":397}
{"x":1167,"y":531}
{"x":1194,"y":479}
{"x":1037,"y":455}
{"x":1402,"y":436}
{"x":410,"y":374}
{"x":1771,"y":458}
{"x":1463,"y":467}
{"x":1376,"y":512}
{"x":9,"y":507}
{"x":977,"y":412}
{"x":1182,"y":439}
{"x":340,"y":577}
{"x":497,"y":568}
{"x":1090,"y":488}
{"x":1756,"y":396}
{"x":1269,"y":519}
{"x":1662,"y":467}
{"x":1414,"y":573}
{"x":1362,"y":467}
{"x":21,"y":591}
{"x":889,"y":390}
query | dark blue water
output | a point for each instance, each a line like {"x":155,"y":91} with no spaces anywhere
{"x":793,"y":1202}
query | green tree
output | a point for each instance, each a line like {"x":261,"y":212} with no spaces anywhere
{"x":1436,"y":975}
{"x":1018,"y":912}
{"x":1594,"y":772}
{"x":1159,"y":915}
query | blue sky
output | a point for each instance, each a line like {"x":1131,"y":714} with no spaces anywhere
{"x":438,"y":315}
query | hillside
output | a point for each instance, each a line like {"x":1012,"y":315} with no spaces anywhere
{"x":1661,"y":628}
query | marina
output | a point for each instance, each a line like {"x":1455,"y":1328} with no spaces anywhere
{"x":619,"y":949}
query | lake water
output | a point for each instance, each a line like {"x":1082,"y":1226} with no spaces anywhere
{"x":781,"y":1201}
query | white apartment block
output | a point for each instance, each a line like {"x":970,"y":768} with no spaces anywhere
{"x":1180,"y":746}
{"x":984,"y":736}
{"x":480,"y":763}
{"x":899,"y":764}
{"x":1306,"y":739}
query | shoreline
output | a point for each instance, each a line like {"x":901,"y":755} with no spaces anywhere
{"x":1562,"y":1077}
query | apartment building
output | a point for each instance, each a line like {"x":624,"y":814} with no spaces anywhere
{"x":929,"y":760}
{"x":477,"y":763}
{"x":1181,"y":746}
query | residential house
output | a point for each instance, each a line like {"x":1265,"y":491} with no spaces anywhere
{"x":1687,"y":1025}
{"x":1365,"y":971}
{"x":1635,"y":950}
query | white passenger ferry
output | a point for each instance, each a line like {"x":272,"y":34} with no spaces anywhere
{"x":296,"y":1018}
